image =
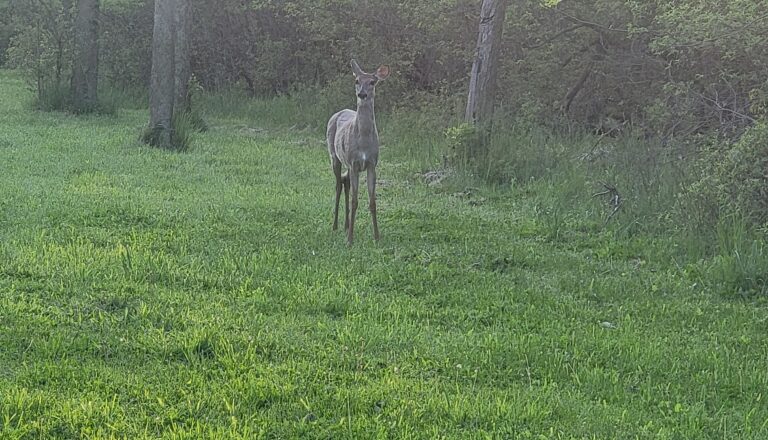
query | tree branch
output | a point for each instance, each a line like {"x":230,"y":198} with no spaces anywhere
{"x":556,"y":36}
{"x":589,"y":24}
{"x":615,"y":201}
{"x":571,"y":95}
{"x":726,"y":109}
{"x":724,"y":34}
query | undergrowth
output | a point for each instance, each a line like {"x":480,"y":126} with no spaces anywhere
{"x":58,"y":97}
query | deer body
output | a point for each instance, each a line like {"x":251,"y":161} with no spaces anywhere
{"x":353,"y":143}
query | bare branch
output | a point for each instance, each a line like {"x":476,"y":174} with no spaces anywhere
{"x":615,"y":201}
{"x":726,"y":109}
{"x":554,"y":37}
{"x":589,"y":24}
{"x":571,"y":95}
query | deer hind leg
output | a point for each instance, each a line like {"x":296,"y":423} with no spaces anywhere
{"x":354,"y":182}
{"x":372,"y":201}
{"x":336,"y":163}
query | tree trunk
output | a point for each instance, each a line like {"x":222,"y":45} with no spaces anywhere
{"x":162,"y":89}
{"x":565,"y":107}
{"x":85,"y":74}
{"x":59,"y":61}
{"x":482,"y":83}
{"x":182,"y":68}
{"x":39,"y":62}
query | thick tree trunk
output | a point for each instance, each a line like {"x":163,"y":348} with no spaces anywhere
{"x":482,"y":84}
{"x":162,"y":89}
{"x":85,"y":74}
{"x":182,"y":68}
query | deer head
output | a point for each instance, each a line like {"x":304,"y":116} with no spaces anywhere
{"x":365,"y":83}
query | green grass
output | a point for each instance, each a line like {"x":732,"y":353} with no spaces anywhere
{"x":58,"y":97}
{"x":150,"y":294}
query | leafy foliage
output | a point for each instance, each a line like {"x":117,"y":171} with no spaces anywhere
{"x":736,"y":177}
{"x":743,"y":175}
{"x":41,"y":42}
{"x":126,"y":43}
{"x":667,"y":69}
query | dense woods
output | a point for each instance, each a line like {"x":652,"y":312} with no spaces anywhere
{"x":668,"y":69}
{"x":684,"y":75}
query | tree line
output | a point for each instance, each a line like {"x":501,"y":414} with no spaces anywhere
{"x":669,"y":70}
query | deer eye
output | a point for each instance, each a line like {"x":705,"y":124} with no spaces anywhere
{"x":373,"y":83}
{"x":357,"y":82}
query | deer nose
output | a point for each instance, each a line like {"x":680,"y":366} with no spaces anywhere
{"x":362,"y":95}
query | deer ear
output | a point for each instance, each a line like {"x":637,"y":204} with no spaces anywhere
{"x":382,"y":72}
{"x":356,"y":68}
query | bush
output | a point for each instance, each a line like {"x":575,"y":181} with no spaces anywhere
{"x":461,"y":141}
{"x":58,"y":97}
{"x":740,"y":264}
{"x":510,"y":154}
{"x":742,"y":175}
{"x":734,"y":181}
{"x":52,"y":97}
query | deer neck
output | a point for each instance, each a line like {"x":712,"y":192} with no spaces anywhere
{"x":365,"y":120}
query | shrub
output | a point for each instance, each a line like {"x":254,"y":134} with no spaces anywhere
{"x":734,"y":181}
{"x":58,"y":97}
{"x":742,"y":175}
{"x":510,"y":154}
{"x":740,"y":265}
{"x":461,"y":141}
{"x":52,"y":97}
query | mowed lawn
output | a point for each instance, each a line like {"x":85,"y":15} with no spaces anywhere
{"x":148,"y":294}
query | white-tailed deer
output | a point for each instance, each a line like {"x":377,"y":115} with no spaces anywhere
{"x":354,"y":142}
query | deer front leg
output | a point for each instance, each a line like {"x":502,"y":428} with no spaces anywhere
{"x":345,"y":182}
{"x":337,"y":173}
{"x":372,"y":201}
{"x":354,"y":183}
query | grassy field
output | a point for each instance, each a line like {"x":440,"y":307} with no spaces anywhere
{"x":148,"y":294}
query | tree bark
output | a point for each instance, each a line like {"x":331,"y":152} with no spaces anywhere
{"x":565,"y":107}
{"x":183,"y":67}
{"x":482,"y":83}
{"x":162,"y":89}
{"x":39,"y":62}
{"x":85,"y":73}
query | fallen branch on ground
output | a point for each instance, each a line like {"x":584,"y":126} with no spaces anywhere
{"x":615,"y":201}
